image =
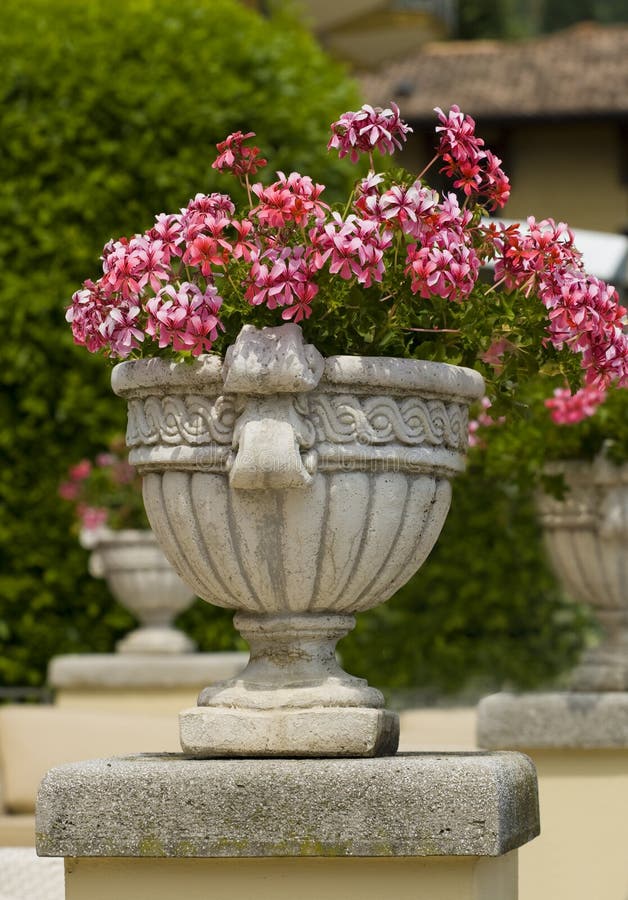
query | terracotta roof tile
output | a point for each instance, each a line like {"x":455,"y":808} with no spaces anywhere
{"x":578,"y":72}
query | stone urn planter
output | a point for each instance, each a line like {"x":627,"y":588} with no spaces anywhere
{"x":298,"y":491}
{"x":140,"y":577}
{"x":586,"y":535}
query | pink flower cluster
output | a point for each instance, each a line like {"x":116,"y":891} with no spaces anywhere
{"x":91,"y":517}
{"x":483,"y":420}
{"x":353,"y":247}
{"x":294,"y":199}
{"x":569,"y":409}
{"x":446,"y":264}
{"x":163,"y":290}
{"x":368,"y":129}
{"x":235,"y":157}
{"x":184,"y":318}
{"x":443,"y":262}
{"x":96,"y":488}
{"x":139,"y":295}
{"x":283,"y":278}
{"x":476,"y":171}
{"x":584,"y":313}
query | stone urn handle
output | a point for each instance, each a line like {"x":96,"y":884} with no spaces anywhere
{"x":270,"y":370}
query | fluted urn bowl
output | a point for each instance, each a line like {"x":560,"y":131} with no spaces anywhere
{"x":586,"y":534}
{"x":297,"y":491}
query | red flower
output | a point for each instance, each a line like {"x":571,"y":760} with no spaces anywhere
{"x":235,"y":157}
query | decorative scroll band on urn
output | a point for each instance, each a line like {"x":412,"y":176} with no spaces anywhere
{"x":344,"y":418}
{"x":336,"y":418}
{"x":180,"y":419}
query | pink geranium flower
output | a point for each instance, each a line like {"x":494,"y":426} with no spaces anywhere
{"x":69,"y":490}
{"x":122,"y":329}
{"x":446,"y":267}
{"x":86,"y":314}
{"x":123,"y":267}
{"x":211,"y":248}
{"x":304,"y":293}
{"x":152,"y":261}
{"x":198,"y":216}
{"x":411,"y":209}
{"x":568,"y":409}
{"x":168,"y":230}
{"x":475,"y":170}
{"x":81,"y":470}
{"x":352,"y":247}
{"x":235,"y":157}
{"x":185,"y":318}
{"x":92,"y":517}
{"x":368,"y":129}
{"x":458,"y":140}
{"x":280,"y":277}
{"x":244,"y":244}
{"x":276,"y":206}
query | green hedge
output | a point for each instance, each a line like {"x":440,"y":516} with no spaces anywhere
{"x":109,"y":110}
{"x":109,"y":113}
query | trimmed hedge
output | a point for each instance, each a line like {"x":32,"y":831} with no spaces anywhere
{"x":109,"y":113}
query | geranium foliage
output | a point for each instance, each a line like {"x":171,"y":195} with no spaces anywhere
{"x":397,"y":264}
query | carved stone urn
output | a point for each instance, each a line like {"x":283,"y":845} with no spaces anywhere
{"x":586,"y":534}
{"x":298,"y":491}
{"x":140,"y":578}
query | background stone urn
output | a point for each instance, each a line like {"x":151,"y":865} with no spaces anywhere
{"x":140,"y":577}
{"x":297,"y":491}
{"x":587,"y":538}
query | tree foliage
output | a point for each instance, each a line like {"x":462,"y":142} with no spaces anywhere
{"x":508,"y":19}
{"x":110,"y":111}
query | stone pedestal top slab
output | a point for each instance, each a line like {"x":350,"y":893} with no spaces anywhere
{"x":554,"y":721}
{"x":143,"y":670}
{"x":169,"y":805}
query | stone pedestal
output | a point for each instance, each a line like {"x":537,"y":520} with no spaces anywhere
{"x":579,"y":743}
{"x":165,"y":826}
{"x":159,"y":683}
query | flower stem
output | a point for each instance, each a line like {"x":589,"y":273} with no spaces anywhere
{"x":428,"y":166}
{"x":349,"y":202}
{"x":436,"y":330}
{"x":494,"y":286}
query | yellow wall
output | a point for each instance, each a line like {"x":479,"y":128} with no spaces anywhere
{"x":161,"y":701}
{"x":467,"y":878}
{"x":570,"y":172}
{"x":582,"y":852}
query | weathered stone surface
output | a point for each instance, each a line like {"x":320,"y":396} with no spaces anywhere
{"x":124,"y":671}
{"x":553,"y":720}
{"x":453,"y":804}
{"x":309,"y":732}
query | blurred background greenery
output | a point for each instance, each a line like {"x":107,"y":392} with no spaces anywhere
{"x":109,"y":113}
